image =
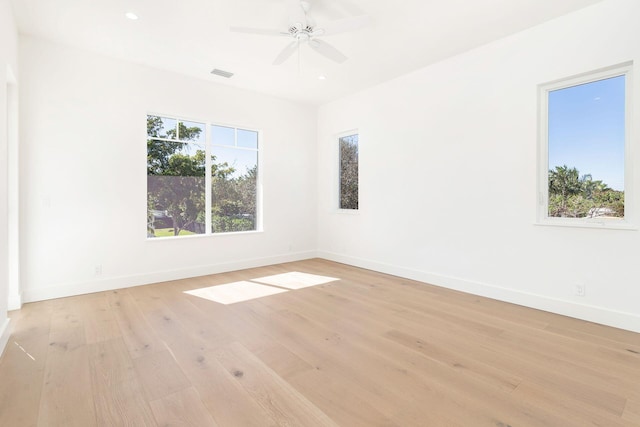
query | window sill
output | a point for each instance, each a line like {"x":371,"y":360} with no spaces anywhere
{"x":200,"y":236}
{"x":603,"y":225}
{"x":347,"y":211}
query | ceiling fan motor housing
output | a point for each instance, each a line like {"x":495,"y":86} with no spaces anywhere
{"x":296,"y":28}
{"x":301,"y":33}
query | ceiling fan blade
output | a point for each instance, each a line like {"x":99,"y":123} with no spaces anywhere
{"x":260,"y":31}
{"x":326,"y":50}
{"x":344,"y":25}
{"x":286,"y":53}
{"x":297,"y":13}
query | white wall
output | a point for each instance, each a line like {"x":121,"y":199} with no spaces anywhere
{"x":8,"y":72}
{"x":83,"y":173}
{"x":448,"y":174}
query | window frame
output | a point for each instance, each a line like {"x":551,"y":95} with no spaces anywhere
{"x":259,"y":156}
{"x":543,"y":218}
{"x":337,"y":181}
{"x":208,"y":143}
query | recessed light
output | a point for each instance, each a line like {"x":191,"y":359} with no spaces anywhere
{"x":322,"y":77}
{"x":131,"y":15}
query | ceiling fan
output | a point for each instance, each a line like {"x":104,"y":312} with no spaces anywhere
{"x":304,"y":30}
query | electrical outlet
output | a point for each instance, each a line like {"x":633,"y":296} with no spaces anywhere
{"x":98,"y":270}
{"x":581,"y":290}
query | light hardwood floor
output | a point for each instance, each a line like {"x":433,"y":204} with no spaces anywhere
{"x":367,"y":350}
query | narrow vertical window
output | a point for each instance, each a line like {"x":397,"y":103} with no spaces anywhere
{"x":348,"y":153}
{"x":234,"y":174}
{"x":175,"y":177}
{"x":584,"y":141}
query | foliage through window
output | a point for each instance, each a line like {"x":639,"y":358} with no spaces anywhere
{"x":200,"y":182}
{"x":348,"y":148}
{"x":585,"y":135}
{"x":233,"y":187}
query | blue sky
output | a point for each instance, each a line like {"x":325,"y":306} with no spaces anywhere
{"x":240,"y":153}
{"x":587,"y":130}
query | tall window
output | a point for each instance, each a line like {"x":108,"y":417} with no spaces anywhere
{"x":348,"y":152}
{"x":233,"y":188}
{"x":583,"y":142}
{"x":200,"y":182}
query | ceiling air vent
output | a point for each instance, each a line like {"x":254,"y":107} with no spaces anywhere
{"x":221,"y":73}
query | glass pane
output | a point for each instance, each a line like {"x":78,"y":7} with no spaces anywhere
{"x":161,"y":127}
{"x":191,"y":132}
{"x":234,"y":185}
{"x":221,"y":135}
{"x":237,"y":162}
{"x":349,"y":172}
{"x":586,"y":150}
{"x":173,"y":158}
{"x":175,"y":189}
{"x":247,"y":138}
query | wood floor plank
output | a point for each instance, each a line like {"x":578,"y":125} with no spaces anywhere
{"x":137,"y":334}
{"x":160,"y":374}
{"x":182,"y":409}
{"x":441,"y":353}
{"x":532,"y":361}
{"x":338,"y":400}
{"x":366,"y":350}
{"x":99,"y":320}
{"x":282,"y":360}
{"x":562,"y":402}
{"x":470,"y":371}
{"x":583,"y":390}
{"x":277,"y":397}
{"x":197,"y":321}
{"x":312,"y":352}
{"x":237,"y":322}
{"x":631,"y":346}
{"x":66,"y":394}
{"x":22,"y":366}
{"x":632,"y":411}
{"x":394,"y":384}
{"x":21,"y":387}
{"x":493,"y":376}
{"x":225,"y":399}
{"x":583,"y":365}
{"x":117,"y":393}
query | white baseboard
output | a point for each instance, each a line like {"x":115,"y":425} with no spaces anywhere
{"x":617,"y":319}
{"x":15,"y":302}
{"x":111,"y":283}
{"x":5,"y":332}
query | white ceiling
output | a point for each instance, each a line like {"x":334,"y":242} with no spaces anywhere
{"x":192,"y":37}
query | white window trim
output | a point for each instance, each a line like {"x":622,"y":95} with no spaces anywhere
{"x":208,"y":145}
{"x":336,"y":182}
{"x":629,"y":221}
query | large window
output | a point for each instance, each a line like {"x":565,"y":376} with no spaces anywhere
{"x":348,"y":158}
{"x":583,"y":161}
{"x":201,"y":178}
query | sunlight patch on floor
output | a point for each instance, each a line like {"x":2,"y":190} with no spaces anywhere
{"x":230,"y":293}
{"x":295,"y":280}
